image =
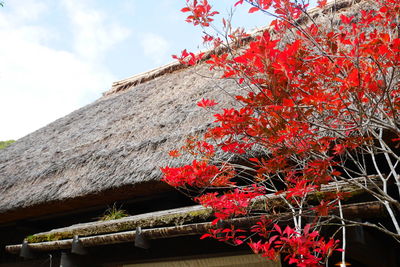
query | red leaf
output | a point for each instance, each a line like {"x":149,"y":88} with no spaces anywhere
{"x":345,"y":19}
{"x":238,"y":242}
{"x":205,"y":103}
{"x":205,"y":236}
{"x":278,"y":229}
{"x":239,"y":2}
{"x":174,"y":153}
{"x":253,"y":9}
{"x":322,"y":3}
{"x":185,"y":9}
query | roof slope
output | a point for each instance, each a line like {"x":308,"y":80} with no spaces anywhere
{"x":119,"y":140}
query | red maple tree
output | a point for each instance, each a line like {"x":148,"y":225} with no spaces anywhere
{"x":318,"y":113}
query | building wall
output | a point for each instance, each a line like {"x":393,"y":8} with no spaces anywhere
{"x":251,"y":260}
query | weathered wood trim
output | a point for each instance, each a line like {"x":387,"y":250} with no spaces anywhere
{"x":180,"y":216}
{"x":359,"y":210}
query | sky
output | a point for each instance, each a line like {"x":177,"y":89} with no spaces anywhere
{"x":59,"y":55}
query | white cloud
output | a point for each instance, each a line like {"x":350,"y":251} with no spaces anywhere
{"x":39,"y":84}
{"x":93,"y":33}
{"x":155,"y":47}
{"x":26,"y":9}
{"x":128,"y":7}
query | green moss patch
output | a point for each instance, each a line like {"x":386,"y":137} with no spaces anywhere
{"x":121,"y":225}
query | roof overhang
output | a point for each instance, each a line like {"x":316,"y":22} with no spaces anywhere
{"x":186,"y":221}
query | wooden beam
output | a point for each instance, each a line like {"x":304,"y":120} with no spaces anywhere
{"x":359,"y":210}
{"x":180,"y":216}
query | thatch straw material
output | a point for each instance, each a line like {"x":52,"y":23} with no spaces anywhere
{"x":118,"y":141}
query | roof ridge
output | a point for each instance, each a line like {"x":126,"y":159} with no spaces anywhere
{"x":140,"y":78}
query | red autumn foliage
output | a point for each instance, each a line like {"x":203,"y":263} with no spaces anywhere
{"x":187,"y":58}
{"x":313,"y":98}
{"x":200,"y":12}
{"x":205,"y":103}
{"x":198,"y":174}
{"x":230,"y":204}
{"x":174,"y":153}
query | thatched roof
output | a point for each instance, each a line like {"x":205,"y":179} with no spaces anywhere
{"x":120,"y":140}
{"x":112,"y":148}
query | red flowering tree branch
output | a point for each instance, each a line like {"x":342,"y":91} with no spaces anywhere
{"x":318,"y":107}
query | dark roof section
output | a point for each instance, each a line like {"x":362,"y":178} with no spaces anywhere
{"x":192,"y":214}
